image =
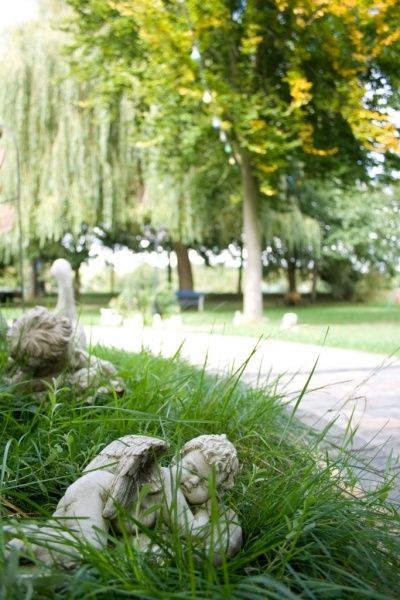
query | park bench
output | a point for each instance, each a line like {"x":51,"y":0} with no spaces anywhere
{"x":188,"y":298}
{"x":8,"y":294}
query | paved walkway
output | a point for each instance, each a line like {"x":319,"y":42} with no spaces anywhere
{"x":345,"y":385}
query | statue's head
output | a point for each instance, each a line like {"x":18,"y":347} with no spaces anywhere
{"x":199,"y":458}
{"x":61,"y":270}
{"x":39,"y":339}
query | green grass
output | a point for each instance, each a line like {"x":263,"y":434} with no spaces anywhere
{"x":366,"y":327}
{"x":303,"y":537}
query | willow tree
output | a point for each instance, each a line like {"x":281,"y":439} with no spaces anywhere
{"x":286,"y":79}
{"x":192,"y":193}
{"x":78,"y":162}
{"x":294,"y":239}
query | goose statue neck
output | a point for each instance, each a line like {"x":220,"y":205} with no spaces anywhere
{"x":62,"y":272}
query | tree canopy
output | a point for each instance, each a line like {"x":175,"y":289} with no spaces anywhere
{"x":179,"y":115}
{"x":78,"y":163}
{"x":286,"y":81}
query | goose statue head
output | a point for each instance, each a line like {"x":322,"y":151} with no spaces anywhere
{"x":62,"y":272}
{"x":61,"y":269}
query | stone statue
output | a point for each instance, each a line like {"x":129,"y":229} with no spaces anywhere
{"x":62,"y":272}
{"x":124,"y":486}
{"x":43,"y":347}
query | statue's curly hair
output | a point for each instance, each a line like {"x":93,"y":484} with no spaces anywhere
{"x":39,"y":337}
{"x":218,"y":451}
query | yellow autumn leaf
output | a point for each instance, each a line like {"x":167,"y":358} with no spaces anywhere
{"x":147,"y":143}
{"x":306,"y":135}
{"x":299,"y":88}
{"x":235,"y":199}
{"x":208,"y":22}
{"x":257,"y":124}
{"x":267,"y":190}
{"x":281,"y":5}
{"x":374,"y":129}
{"x":225,"y":125}
{"x":187,"y":74}
{"x":258,"y":148}
{"x":183,"y":91}
{"x":151,"y":38}
{"x":268,"y":168}
{"x":340,"y":9}
{"x":310,"y":149}
{"x":250,"y":44}
{"x":387,"y":40}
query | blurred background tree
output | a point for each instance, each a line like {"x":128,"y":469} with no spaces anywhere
{"x":287,"y":82}
{"x":210,"y":125}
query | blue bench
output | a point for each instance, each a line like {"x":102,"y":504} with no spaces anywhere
{"x":187,"y":298}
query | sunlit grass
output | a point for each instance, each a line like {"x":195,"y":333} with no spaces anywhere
{"x":366,"y":327}
{"x":303,"y":536}
{"x":370,"y":328}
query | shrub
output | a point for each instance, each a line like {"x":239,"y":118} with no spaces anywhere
{"x":371,"y":286}
{"x":340,"y":274}
{"x":143,"y":292}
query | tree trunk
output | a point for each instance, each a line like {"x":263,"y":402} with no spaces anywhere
{"x":77,"y":282}
{"x":112,"y":278}
{"x":29,"y":280}
{"x":39,"y":284}
{"x":252,"y":295}
{"x":314,"y":282}
{"x":240,"y":272}
{"x":291,"y":273}
{"x":185,"y":275}
{"x":169,"y":270}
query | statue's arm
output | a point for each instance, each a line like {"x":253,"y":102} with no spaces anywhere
{"x":176,"y":510}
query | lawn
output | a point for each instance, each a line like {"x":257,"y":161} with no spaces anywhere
{"x":305,"y":534}
{"x":366,"y":327}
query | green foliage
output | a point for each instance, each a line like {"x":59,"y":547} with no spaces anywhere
{"x":180,"y":104}
{"x":371,"y":287}
{"x":77,"y":161}
{"x":304,"y":535}
{"x":284,"y":83}
{"x":342,"y":276}
{"x":299,"y":234}
{"x":359,"y":231}
{"x":362,"y":225}
{"x":3,"y":342}
{"x":193,"y":192}
{"x":142,"y":291}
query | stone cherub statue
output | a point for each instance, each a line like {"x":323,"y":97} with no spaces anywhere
{"x":43,"y":347}
{"x":46,"y":345}
{"x":124,"y":486}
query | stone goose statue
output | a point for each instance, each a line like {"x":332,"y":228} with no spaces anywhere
{"x":48,"y":344}
{"x":62,"y":272}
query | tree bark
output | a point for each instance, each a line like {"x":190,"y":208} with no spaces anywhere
{"x":29,"y":279}
{"x":77,"y":282}
{"x":185,"y":275}
{"x":38,"y":286}
{"x":252,"y":293}
{"x":112,"y":278}
{"x":169,"y":270}
{"x":314,"y":282}
{"x":291,"y":273}
{"x":240,"y":272}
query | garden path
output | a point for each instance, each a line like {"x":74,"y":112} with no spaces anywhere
{"x":345,"y":386}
